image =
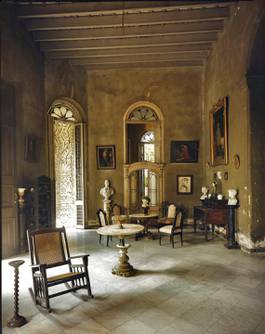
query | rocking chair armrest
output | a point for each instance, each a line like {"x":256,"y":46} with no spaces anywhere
{"x":77,"y":265}
{"x":79,"y":256}
{"x":38,"y":266}
{"x":84,"y":258}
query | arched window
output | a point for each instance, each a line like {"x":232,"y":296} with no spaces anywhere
{"x":142,"y":114}
{"x":62,"y":113}
{"x":147,"y":147}
{"x":148,"y":180}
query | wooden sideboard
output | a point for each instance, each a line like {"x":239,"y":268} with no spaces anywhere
{"x":220,"y":216}
{"x":209,"y":216}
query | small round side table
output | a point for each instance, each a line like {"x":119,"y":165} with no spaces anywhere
{"x":17,"y":320}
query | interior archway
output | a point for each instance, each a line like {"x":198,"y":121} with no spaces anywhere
{"x":143,"y":170}
{"x":138,"y":126}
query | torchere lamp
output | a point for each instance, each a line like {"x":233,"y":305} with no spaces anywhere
{"x":21,"y":219}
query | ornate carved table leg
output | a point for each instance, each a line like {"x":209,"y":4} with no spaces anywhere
{"x":123,"y":268}
{"x":17,"y":320}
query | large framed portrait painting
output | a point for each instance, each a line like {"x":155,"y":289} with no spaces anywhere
{"x":184,"y":151}
{"x":106,"y":157}
{"x":218,"y":133}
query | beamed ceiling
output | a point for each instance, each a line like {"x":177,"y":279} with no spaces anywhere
{"x":103,"y":35}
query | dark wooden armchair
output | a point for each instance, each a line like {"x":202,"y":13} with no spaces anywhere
{"x":102,"y":219}
{"x":174,"y":229}
{"x":48,"y":248}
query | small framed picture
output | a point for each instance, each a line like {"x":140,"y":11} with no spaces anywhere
{"x":184,"y":184}
{"x":106,"y":157}
{"x":184,"y":151}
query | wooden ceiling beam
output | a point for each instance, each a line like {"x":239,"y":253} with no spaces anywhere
{"x":126,"y":32}
{"x":204,"y":47}
{"x":152,"y":64}
{"x":141,"y":58}
{"x":103,"y":8}
{"x":130,"y":42}
{"x":191,"y":15}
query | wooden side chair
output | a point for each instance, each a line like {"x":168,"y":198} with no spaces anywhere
{"x":116,"y":210}
{"x":48,"y":249}
{"x":102,"y":219}
{"x":174,"y":229}
{"x":169,"y":218}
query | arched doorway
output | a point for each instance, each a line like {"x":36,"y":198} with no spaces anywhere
{"x":143,"y":153}
{"x":67,"y":162}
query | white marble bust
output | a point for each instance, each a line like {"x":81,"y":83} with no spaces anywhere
{"x":106,"y":191}
{"x":232,"y":200}
{"x":204,"y":193}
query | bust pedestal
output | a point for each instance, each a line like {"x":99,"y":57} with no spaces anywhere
{"x":231,"y":229}
{"x":146,"y":210}
{"x":107,"y":208}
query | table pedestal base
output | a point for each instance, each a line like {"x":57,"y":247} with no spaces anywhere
{"x":123,"y":268}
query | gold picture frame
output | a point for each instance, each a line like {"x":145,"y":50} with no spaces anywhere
{"x":106,"y":158}
{"x":184,"y":184}
{"x":218,"y":133}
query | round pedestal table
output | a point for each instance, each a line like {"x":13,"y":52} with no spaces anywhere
{"x":123,"y":267}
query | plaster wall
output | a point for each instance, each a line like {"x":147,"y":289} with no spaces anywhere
{"x":177,"y":92}
{"x":64,"y":80}
{"x":22,"y":69}
{"x":225,"y":75}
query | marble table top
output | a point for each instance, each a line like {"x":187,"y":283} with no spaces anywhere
{"x":115,"y":230}
{"x":141,"y":215}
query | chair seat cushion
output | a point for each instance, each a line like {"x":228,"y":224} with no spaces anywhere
{"x":166,"y":229}
{"x":64,"y":276}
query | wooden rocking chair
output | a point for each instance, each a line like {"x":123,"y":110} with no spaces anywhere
{"x":48,"y":248}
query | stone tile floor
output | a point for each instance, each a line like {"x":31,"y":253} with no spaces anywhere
{"x":201,"y":287}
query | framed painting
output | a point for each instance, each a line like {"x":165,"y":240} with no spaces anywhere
{"x":106,"y":158}
{"x":184,"y":184}
{"x":218,"y":133}
{"x":31,"y":153}
{"x":184,"y":151}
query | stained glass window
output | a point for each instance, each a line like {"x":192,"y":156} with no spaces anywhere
{"x":142,"y":114}
{"x":61,"y":112}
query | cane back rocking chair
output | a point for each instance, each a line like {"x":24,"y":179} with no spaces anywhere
{"x":49,"y":251}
